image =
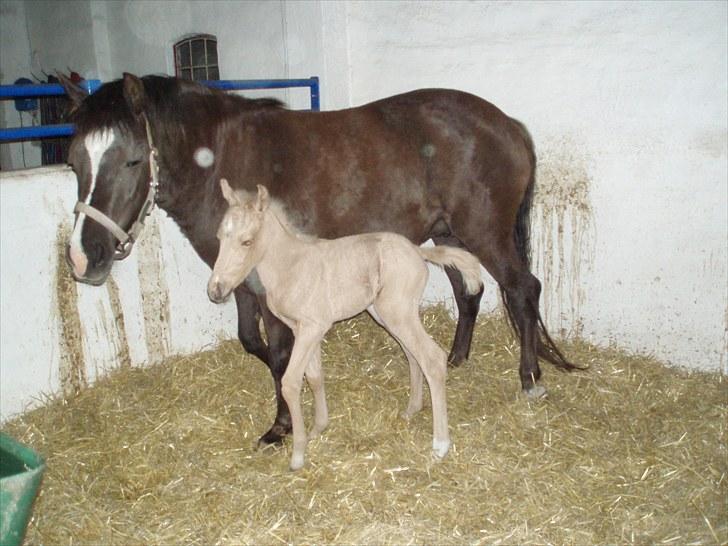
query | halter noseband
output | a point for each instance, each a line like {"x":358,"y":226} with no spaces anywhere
{"x":128,"y":238}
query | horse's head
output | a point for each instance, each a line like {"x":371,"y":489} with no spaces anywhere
{"x":111,"y":155}
{"x":241,"y":247}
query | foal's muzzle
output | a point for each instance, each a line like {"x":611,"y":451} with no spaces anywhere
{"x":216,"y":291}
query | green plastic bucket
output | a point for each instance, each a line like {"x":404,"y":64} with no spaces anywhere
{"x":21,"y":470}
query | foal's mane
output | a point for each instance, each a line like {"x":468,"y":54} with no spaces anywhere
{"x":108,"y":108}
{"x":278,"y":210}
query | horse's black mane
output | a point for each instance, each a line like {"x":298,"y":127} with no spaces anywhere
{"x":107,"y":107}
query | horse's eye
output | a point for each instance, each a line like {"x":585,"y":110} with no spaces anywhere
{"x":247,"y":243}
{"x":133,"y":163}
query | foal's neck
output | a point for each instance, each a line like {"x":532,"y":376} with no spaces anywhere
{"x":284,"y":246}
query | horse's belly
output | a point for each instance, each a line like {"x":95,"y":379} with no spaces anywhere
{"x":352,"y":283}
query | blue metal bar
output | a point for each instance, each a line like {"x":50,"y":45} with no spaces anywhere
{"x":39,"y":131}
{"x":43,"y":89}
{"x":91,"y":86}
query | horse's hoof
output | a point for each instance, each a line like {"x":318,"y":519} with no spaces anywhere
{"x":440,"y":448}
{"x":409,"y":413}
{"x":535,"y":392}
{"x":454,"y":361}
{"x":274,"y":437}
{"x":296,"y":462}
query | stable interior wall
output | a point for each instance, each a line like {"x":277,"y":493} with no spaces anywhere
{"x":626,"y":103}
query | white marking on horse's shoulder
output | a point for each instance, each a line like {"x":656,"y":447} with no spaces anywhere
{"x":204,"y":157}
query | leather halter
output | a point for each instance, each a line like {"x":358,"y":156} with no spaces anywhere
{"x":128,"y":238}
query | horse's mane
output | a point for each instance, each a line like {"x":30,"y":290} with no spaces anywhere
{"x":107,"y":107}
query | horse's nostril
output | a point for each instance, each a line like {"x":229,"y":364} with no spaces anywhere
{"x":98,"y":255}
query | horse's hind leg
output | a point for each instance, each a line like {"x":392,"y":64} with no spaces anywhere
{"x":468,"y":308}
{"x":497,"y":252}
{"x":415,"y":400}
{"x":315,"y":378}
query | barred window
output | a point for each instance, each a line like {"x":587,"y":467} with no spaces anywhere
{"x":195,"y":58}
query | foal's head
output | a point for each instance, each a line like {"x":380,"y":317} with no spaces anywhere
{"x":241,"y":248}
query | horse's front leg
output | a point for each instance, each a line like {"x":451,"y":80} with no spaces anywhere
{"x":280,"y":345}
{"x":307,"y":342}
{"x":315,"y":378}
{"x":248,"y":331}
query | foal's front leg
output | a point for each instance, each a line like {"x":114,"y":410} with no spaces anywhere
{"x":315,"y":378}
{"x":307,"y":342}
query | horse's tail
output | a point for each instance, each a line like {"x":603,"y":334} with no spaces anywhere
{"x":463,"y":261}
{"x":546,"y":348}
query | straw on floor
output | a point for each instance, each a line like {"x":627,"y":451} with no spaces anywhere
{"x":629,"y":451}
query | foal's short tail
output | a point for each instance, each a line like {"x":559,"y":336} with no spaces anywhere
{"x":463,"y":261}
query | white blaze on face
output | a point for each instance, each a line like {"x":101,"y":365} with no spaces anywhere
{"x":96,"y":144}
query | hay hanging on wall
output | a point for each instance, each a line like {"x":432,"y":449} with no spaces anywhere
{"x":629,"y":451}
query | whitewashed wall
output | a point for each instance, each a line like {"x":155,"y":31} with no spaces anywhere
{"x":56,"y":334}
{"x":627,"y":104}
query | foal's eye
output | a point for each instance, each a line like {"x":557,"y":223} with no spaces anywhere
{"x":247,"y":243}
{"x":133,"y":163}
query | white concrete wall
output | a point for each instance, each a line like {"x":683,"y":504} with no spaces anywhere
{"x":154,"y":306}
{"x":627,"y":104}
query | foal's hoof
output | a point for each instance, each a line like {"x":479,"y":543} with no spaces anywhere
{"x":274,"y":437}
{"x":535,"y":392}
{"x":296,"y":462}
{"x":440,"y":448}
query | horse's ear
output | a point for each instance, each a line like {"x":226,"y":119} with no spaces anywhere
{"x":75,"y":92}
{"x":263,"y":198}
{"x":134,"y":93}
{"x":228,"y":193}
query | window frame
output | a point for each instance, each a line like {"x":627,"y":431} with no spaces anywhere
{"x":187,"y":65}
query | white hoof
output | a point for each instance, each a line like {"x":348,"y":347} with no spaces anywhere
{"x":440,"y":448}
{"x":535,"y":392}
{"x":296,"y":462}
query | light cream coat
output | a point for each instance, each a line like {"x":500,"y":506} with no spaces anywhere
{"x":311,"y":283}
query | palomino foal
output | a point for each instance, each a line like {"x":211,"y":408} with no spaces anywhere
{"x":311,"y":283}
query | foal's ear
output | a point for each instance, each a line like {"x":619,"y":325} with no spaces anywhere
{"x":263,"y":198}
{"x":75,"y":92}
{"x":134,"y":93}
{"x":228,"y":193}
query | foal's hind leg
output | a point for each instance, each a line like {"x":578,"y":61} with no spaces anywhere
{"x":416,"y":377}
{"x":403,"y":322}
{"x":468,"y":308}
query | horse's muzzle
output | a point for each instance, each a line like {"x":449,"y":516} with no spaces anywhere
{"x":216,"y":291}
{"x":96,"y":278}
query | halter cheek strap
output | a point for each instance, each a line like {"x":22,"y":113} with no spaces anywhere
{"x":127,"y":238}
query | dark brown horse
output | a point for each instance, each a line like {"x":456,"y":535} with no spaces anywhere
{"x":430,"y":164}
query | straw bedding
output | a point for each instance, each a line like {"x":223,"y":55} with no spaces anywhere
{"x":629,"y":451}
